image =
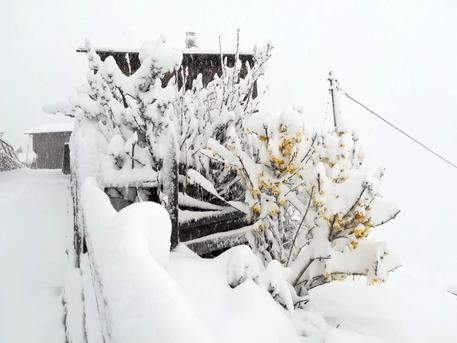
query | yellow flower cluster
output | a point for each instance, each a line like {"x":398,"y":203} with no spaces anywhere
{"x":278,"y":164}
{"x":256,"y":210}
{"x":356,"y":224}
{"x":361,"y":231}
{"x":339,"y":277}
{"x":374,"y":281}
{"x":255,"y":192}
{"x":259,"y":226}
{"x":286,"y":145}
{"x":327,"y":161}
{"x":269,"y":188}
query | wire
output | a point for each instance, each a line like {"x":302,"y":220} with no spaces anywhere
{"x":400,"y":130}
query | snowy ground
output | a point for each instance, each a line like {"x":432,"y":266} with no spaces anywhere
{"x":33,"y":215}
{"x":410,"y":307}
{"x":407,"y":308}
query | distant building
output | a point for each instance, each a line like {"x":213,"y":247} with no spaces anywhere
{"x":48,"y":141}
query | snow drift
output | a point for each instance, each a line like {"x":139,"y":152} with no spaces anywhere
{"x":147,"y":292}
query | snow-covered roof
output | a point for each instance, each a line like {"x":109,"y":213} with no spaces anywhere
{"x":185,"y":51}
{"x":52,"y":127}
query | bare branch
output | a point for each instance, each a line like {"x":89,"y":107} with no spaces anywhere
{"x":387,"y":220}
{"x":299,"y":227}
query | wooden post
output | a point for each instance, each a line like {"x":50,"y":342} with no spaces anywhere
{"x":169,"y":189}
{"x":66,"y":159}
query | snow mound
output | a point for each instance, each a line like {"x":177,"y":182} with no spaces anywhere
{"x":144,"y":223}
{"x":141,"y":302}
{"x":242,"y":265}
{"x":227,"y":294}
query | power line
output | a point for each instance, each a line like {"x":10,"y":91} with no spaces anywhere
{"x":400,"y":130}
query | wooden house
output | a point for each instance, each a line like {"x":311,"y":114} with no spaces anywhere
{"x":48,"y":141}
{"x":195,"y":61}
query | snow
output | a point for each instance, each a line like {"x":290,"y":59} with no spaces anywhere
{"x":223,"y":236}
{"x":148,"y":292}
{"x":92,"y":318}
{"x":220,"y":240}
{"x":161,"y":54}
{"x":33,"y":217}
{"x":241,"y":265}
{"x":151,"y":292}
{"x":125,"y":176}
{"x":74,"y":307}
{"x":407,"y":308}
{"x":138,"y":217}
{"x":116,"y":145}
{"x":27,"y":157}
{"x":130,"y":288}
{"x":452,"y":289}
{"x":230,"y":286}
{"x":144,"y":303}
{"x":52,"y":127}
{"x":188,"y":201}
{"x":185,"y":51}
{"x":243,"y":314}
{"x":364,"y":260}
{"x":188,"y":216}
{"x":276,"y":280}
{"x":194,"y":177}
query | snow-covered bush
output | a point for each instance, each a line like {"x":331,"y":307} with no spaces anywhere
{"x":311,"y":197}
{"x":137,"y":114}
{"x":8,"y":163}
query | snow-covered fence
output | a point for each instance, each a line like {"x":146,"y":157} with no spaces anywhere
{"x":107,"y":261}
{"x":140,"y":289}
{"x":127,"y":251}
{"x":195,"y":219}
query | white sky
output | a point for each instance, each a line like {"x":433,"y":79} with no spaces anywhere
{"x":397,"y":56}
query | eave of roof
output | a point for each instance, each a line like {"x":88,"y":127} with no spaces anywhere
{"x":191,"y":51}
{"x":51,"y":128}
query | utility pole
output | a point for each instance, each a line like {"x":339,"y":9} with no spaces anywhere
{"x":335,"y":101}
